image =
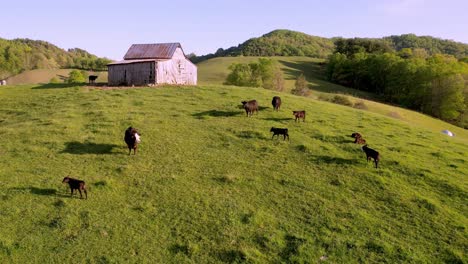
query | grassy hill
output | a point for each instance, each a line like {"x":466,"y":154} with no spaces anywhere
{"x":215,"y":71}
{"x":19,"y":55}
{"x":45,"y":75}
{"x":210,"y":186}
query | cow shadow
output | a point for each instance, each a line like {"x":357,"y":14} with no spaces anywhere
{"x":278,"y":119}
{"x":216,"y":113}
{"x":79,"y":148}
{"x":40,"y":191}
{"x":335,"y":160}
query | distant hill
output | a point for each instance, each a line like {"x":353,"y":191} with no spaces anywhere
{"x":278,"y":43}
{"x":292,"y":43}
{"x":19,"y":55}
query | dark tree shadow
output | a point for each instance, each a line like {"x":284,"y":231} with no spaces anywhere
{"x":75,"y":147}
{"x":58,"y":85}
{"x":40,"y":191}
{"x":217,"y":113}
{"x":314,"y":69}
{"x":331,"y":159}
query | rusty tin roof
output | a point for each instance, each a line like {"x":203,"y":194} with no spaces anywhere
{"x":151,"y":51}
{"x":131,"y":61}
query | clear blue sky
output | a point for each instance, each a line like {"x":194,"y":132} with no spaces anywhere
{"x":107,"y":28}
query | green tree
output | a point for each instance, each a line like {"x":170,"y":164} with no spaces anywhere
{"x":76,"y":76}
{"x":300,"y":86}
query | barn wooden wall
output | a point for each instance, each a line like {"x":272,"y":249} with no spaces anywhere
{"x":131,"y":74}
{"x":177,"y":70}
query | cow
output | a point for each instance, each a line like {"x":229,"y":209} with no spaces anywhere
{"x":279,"y":131}
{"x":250,"y":107}
{"x":132,"y":138}
{"x":276,"y":102}
{"x":358,"y":138}
{"x":299,"y":114}
{"x":76,"y":185}
{"x":92,"y":79}
{"x":371,"y":154}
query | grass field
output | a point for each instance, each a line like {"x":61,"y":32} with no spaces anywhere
{"x":209,"y":185}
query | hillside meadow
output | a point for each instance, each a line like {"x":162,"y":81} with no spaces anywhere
{"x":209,"y":185}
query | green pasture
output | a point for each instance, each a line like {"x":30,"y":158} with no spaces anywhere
{"x":209,"y":185}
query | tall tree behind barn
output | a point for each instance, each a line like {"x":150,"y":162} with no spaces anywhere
{"x":162,"y":63}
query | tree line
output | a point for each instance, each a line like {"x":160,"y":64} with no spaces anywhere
{"x":293,"y":43}
{"x":432,"y":84}
{"x":19,"y":55}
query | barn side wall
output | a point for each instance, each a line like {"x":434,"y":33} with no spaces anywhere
{"x":177,"y":70}
{"x":138,"y":74}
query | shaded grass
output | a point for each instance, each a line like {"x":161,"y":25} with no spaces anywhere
{"x":210,"y":186}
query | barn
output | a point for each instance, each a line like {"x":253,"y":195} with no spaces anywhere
{"x":148,"y":64}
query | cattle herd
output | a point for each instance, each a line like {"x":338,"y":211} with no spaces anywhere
{"x":132,"y":139}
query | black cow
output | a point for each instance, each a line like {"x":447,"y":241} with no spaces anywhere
{"x":276,"y":102}
{"x":92,"y":79}
{"x":279,"y":131}
{"x":132,"y":138}
{"x":76,"y":185}
{"x":371,"y":154}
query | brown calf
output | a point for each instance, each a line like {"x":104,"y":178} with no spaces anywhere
{"x":299,"y":114}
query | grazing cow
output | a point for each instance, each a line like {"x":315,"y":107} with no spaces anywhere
{"x":358,"y":138}
{"x":92,"y":79}
{"x":276,"y":102}
{"x":250,"y":107}
{"x":299,"y":114}
{"x":76,"y":185}
{"x":371,"y":154}
{"x":279,"y":131}
{"x":132,"y":138}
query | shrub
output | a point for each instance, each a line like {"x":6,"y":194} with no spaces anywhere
{"x":54,"y":80}
{"x":342,"y":100}
{"x":76,"y":76}
{"x":360,"y":105}
{"x":301,"y":86}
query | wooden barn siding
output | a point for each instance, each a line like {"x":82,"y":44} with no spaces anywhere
{"x":136,"y":73}
{"x":177,"y":70}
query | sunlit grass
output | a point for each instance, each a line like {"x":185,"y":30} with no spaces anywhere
{"x":209,"y":185}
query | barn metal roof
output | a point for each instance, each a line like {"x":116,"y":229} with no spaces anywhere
{"x":131,"y":61}
{"x":151,"y":51}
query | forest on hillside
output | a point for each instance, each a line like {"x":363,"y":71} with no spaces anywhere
{"x":293,"y":43}
{"x":430,"y":82}
{"x":20,"y":55}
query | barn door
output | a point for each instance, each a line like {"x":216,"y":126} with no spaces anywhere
{"x":152,"y":73}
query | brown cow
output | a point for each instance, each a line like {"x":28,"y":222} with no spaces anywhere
{"x":250,"y":107}
{"x":299,"y":114}
{"x":76,"y":185}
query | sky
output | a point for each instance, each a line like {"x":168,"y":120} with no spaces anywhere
{"x":107,"y":28}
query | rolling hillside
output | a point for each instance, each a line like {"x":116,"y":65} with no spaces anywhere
{"x":215,"y":71}
{"x":42,"y":76}
{"x":209,"y":185}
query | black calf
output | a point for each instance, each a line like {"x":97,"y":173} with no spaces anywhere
{"x":279,"y":131}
